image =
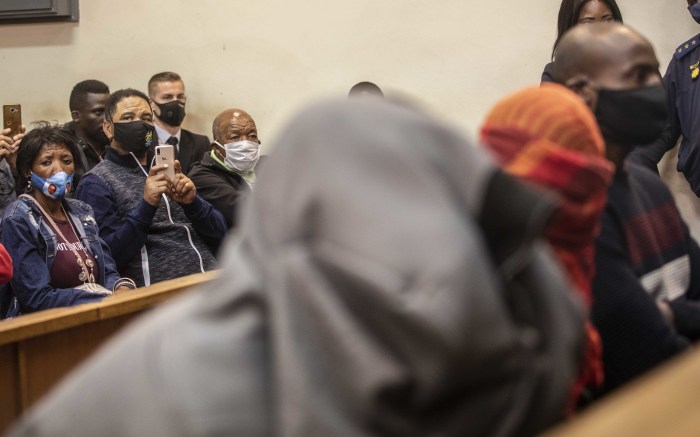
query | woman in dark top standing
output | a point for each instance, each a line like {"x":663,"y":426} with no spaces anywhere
{"x":573,"y":12}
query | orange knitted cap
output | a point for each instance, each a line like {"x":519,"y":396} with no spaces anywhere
{"x":549,"y":112}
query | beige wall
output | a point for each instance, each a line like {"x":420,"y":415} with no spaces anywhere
{"x":271,"y":56}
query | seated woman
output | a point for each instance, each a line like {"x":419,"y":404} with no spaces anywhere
{"x":59,"y":259}
{"x":573,"y":12}
{"x":547,"y":137}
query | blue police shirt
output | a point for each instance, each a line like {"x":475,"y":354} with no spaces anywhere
{"x":682,"y":82}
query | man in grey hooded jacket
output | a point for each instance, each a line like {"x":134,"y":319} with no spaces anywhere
{"x":387,"y":280}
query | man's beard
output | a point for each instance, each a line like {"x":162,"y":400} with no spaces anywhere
{"x":98,"y":138}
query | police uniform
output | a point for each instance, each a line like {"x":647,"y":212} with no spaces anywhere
{"x":682,"y":83}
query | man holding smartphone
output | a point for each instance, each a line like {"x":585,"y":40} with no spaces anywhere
{"x":156,"y":227}
{"x":167,"y":98}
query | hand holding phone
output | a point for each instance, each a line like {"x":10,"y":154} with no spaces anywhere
{"x":165,"y":154}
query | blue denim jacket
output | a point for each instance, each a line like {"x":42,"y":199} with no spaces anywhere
{"x":31,"y":243}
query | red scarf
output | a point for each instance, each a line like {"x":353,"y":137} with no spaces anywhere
{"x":580,"y":180}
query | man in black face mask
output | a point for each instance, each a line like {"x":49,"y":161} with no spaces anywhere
{"x":647,"y":265}
{"x":167,"y":98}
{"x":156,"y":228}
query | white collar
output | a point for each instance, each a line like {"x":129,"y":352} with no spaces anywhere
{"x":163,"y":135}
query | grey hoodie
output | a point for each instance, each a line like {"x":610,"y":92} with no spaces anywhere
{"x":386,"y":280}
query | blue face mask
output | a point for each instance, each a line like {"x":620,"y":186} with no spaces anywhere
{"x":55,"y":187}
{"x":695,"y":12}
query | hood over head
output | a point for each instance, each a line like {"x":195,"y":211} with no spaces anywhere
{"x":359,"y":298}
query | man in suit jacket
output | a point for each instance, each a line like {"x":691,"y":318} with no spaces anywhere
{"x":226,"y":175}
{"x":167,"y":97}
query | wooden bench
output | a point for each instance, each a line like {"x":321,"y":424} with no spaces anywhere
{"x":665,"y":403}
{"x":36,"y":350}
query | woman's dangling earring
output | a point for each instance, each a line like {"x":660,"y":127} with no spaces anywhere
{"x":29,"y":185}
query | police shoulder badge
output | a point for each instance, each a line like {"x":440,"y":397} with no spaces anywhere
{"x":687,"y":47}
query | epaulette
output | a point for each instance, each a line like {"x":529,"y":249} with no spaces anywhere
{"x":687,"y":47}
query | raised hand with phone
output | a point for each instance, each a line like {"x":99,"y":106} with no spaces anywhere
{"x":12,"y":133}
{"x":166,"y":177}
{"x":157,"y":184}
{"x":181,"y":189}
{"x":9,"y":145}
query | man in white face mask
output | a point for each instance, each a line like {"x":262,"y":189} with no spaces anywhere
{"x":225,"y":176}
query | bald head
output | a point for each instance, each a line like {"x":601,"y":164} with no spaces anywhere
{"x":602,"y":52}
{"x":615,"y":70}
{"x":234,"y":125}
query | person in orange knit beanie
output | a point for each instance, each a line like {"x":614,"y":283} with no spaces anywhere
{"x":548,"y":137}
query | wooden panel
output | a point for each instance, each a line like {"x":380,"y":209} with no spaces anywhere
{"x":44,"y":360}
{"x":664,"y":403}
{"x":37,"y":350}
{"x":10,"y":406}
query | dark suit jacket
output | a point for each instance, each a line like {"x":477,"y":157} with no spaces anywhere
{"x":223,"y":189}
{"x":191,"y":148}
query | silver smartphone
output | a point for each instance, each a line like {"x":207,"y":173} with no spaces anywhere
{"x":165,"y":154}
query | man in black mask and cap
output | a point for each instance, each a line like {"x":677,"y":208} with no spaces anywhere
{"x":647,"y":265}
{"x":155,"y":227}
{"x":167,"y":98}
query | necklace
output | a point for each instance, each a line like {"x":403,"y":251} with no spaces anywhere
{"x":85,"y":275}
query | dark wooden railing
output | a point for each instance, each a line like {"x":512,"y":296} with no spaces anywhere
{"x":36,"y":350}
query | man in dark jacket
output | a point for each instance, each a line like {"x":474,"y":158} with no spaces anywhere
{"x":226,"y":175}
{"x":87,"y":109}
{"x":647,"y":277}
{"x":156,"y":228}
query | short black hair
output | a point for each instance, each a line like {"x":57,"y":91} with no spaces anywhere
{"x":44,"y":133}
{"x":367,"y":87}
{"x":569,"y":12}
{"x":166,"y":76}
{"x":82,"y":89}
{"x":117,"y":97}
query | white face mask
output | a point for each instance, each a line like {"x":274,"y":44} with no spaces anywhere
{"x":241,"y":156}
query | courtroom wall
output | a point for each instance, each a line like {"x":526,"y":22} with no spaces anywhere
{"x":271,"y":57}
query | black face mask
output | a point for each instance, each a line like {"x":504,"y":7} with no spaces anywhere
{"x":634,"y":117}
{"x":134,"y":136}
{"x":172,"y":113}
